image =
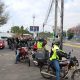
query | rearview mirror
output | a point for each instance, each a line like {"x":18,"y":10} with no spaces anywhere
{"x":72,"y":50}
{"x":69,"y":53}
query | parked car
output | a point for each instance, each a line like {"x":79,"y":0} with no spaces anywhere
{"x":2,"y":44}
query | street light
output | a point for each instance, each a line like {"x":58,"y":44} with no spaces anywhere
{"x":33,"y":26}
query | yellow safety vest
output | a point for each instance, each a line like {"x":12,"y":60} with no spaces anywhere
{"x":39,"y":45}
{"x":54,"y":56}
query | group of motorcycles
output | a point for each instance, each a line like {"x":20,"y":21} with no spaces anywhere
{"x":69,"y":68}
{"x":23,"y":46}
{"x":40,"y":58}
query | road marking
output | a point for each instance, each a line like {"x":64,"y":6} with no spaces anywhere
{"x":75,"y":46}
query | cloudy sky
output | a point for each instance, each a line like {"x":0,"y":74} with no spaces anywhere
{"x":21,"y":13}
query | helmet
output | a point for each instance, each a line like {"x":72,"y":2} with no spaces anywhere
{"x":41,"y":39}
{"x":56,"y":42}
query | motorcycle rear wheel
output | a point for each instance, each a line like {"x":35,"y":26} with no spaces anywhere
{"x":76,"y":75}
{"x":45,"y":72}
{"x":28,"y":61}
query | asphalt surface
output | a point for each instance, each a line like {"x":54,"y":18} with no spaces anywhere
{"x":21,"y":71}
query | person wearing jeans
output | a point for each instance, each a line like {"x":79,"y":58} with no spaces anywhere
{"x":55,"y":56}
{"x":55,"y":64}
{"x":17,"y":56}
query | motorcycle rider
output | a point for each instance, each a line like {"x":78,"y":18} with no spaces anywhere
{"x":17,"y":53}
{"x":38,"y":46}
{"x":41,"y":52}
{"x":55,"y":56}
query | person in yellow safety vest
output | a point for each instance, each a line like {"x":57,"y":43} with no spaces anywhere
{"x":54,"y":58}
{"x":40,"y":44}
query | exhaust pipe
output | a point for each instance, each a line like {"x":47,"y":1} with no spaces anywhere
{"x":47,"y":74}
{"x":35,"y":62}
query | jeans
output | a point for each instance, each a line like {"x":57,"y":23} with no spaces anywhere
{"x":17,"y":55}
{"x":55,"y":64}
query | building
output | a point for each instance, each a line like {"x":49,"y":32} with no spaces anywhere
{"x":4,"y":35}
{"x":76,"y":31}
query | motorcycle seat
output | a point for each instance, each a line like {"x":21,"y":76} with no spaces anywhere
{"x":64,"y":63}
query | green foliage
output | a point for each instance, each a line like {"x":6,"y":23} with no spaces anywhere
{"x":3,"y":15}
{"x":15,"y":29}
{"x":45,"y":34}
{"x":70,"y":34}
{"x":64,"y":34}
{"x":19,"y":30}
{"x":51,"y":35}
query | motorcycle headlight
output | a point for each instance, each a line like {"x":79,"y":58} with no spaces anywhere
{"x":1,"y":44}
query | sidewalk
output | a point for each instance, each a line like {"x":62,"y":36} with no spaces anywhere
{"x":73,"y":42}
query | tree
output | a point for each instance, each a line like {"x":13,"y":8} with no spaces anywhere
{"x":15,"y":29}
{"x":45,"y":34}
{"x":19,"y":30}
{"x":23,"y":31}
{"x":70,"y":34}
{"x":64,"y":34}
{"x":3,"y":15}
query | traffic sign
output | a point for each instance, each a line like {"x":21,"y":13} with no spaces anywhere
{"x":34,"y":28}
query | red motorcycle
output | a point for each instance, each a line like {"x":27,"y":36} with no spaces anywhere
{"x":24,"y":54}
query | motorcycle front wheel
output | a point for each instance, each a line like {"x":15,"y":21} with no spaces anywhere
{"x":76,"y":75}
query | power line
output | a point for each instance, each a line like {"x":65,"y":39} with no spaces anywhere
{"x":49,"y":10}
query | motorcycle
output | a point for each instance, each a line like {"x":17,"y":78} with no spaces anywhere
{"x":66,"y":66}
{"x":39,"y":57}
{"x":24,"y":55}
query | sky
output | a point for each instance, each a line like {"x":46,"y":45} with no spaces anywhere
{"x":21,"y":12}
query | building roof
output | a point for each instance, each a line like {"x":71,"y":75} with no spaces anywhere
{"x":6,"y":35}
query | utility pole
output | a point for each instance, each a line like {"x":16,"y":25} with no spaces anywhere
{"x":22,"y":30}
{"x":43,"y":28}
{"x":33,"y":26}
{"x":33,"y":21}
{"x":62,"y":14}
{"x":55,"y":21}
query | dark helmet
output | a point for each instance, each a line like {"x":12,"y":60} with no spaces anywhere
{"x":41,"y":39}
{"x":56,"y":42}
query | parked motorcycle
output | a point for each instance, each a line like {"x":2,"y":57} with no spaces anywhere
{"x":66,"y":66}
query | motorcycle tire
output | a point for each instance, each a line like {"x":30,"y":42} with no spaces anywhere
{"x":44,"y":69}
{"x":76,"y":75}
{"x":28,"y":61}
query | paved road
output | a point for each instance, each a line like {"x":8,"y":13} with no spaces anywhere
{"x":21,"y":71}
